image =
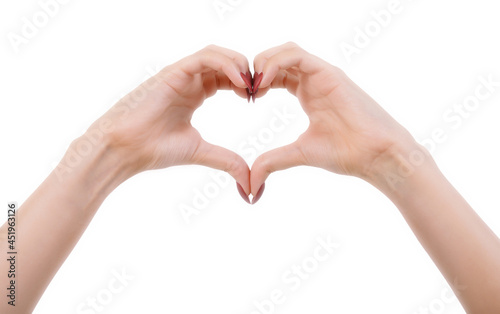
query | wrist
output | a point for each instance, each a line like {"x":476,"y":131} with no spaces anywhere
{"x":95,"y":165}
{"x":398,"y":166}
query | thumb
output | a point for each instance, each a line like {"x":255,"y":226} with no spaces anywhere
{"x":277,"y":159}
{"x":223,"y":159}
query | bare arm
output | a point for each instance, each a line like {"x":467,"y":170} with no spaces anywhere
{"x":462,"y":246}
{"x":52,"y":220}
{"x":349,"y":133}
{"x":148,"y":129}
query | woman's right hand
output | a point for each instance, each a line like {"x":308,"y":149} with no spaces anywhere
{"x":151,"y":126}
{"x":349,"y":133}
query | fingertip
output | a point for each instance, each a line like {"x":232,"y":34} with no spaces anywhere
{"x":269,"y":73}
{"x":223,"y":159}
{"x":246,"y":81}
{"x":259,"y":194}
{"x":241,"y":174}
{"x":277,"y":159}
{"x":258,"y":176}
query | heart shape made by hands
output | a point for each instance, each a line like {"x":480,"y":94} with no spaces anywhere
{"x":253,"y":83}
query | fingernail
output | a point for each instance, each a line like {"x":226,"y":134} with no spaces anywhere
{"x":242,"y":193}
{"x":248,"y":95}
{"x":250,"y":79}
{"x":259,"y":193}
{"x":247,"y":81}
{"x":253,"y":98}
{"x":256,"y":82}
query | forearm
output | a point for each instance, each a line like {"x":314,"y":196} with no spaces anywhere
{"x":462,"y":246}
{"x":54,"y":217}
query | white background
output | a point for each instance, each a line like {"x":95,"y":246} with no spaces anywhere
{"x":427,"y":58}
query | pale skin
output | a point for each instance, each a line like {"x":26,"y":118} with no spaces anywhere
{"x":349,"y":134}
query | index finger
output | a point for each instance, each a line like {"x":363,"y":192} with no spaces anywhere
{"x":285,"y":60}
{"x":218,"y":59}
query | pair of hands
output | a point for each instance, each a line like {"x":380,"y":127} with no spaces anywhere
{"x":348,"y":131}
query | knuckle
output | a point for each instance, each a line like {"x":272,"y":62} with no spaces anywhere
{"x":338,"y":70}
{"x":265,"y":165}
{"x":233,"y":166}
{"x":210,"y":47}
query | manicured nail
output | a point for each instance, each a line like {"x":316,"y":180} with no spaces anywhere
{"x":256,"y":81}
{"x":257,"y":196}
{"x":247,"y":81}
{"x":248,"y":95}
{"x":253,"y":98}
{"x":242,"y":193}
{"x":253,"y":81}
{"x":250,"y":79}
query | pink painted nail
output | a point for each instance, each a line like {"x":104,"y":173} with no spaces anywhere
{"x":259,"y":193}
{"x":242,"y":193}
{"x":256,"y":82}
{"x":250,"y":79}
{"x":247,"y":81}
